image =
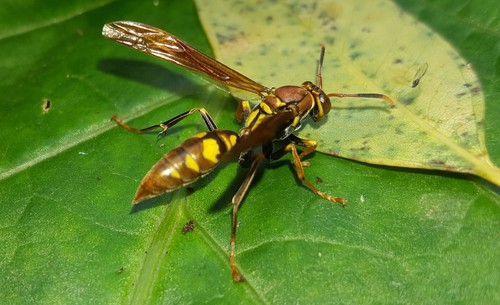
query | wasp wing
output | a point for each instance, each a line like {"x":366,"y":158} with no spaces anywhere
{"x":164,"y":45}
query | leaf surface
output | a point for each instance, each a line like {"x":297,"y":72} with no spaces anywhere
{"x":68,"y":174}
{"x":372,"y":46}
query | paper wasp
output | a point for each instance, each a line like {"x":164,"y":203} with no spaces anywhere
{"x":274,"y":119}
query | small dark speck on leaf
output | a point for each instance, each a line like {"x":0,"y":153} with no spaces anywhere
{"x":438,"y":162}
{"x":319,"y":180}
{"x":46,"y":105}
{"x":330,"y":40}
{"x":355,"y":55}
{"x":188,"y":227}
{"x":399,"y":131}
{"x":475,"y":90}
{"x":408,"y":101}
{"x":333,"y":153}
{"x":359,"y":149}
{"x":222,"y":39}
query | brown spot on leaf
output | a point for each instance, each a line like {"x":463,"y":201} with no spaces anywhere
{"x":188,"y":227}
{"x":437,"y":162}
{"x":46,"y":105}
{"x":475,"y":90}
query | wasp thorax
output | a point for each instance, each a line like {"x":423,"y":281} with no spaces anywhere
{"x":291,"y":94}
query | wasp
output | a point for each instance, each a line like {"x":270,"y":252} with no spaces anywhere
{"x":267,"y":132}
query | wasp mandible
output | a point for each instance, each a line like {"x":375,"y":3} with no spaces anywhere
{"x":279,"y":113}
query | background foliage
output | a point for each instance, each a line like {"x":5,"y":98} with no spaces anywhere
{"x":67,"y":177}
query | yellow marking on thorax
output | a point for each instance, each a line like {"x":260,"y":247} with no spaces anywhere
{"x":192,"y":164}
{"x":259,"y":120}
{"x":211,"y":150}
{"x":280,"y":104}
{"x":265,"y":107}
{"x":245,"y":105}
{"x":251,"y":117}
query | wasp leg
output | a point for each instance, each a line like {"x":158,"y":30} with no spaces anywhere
{"x":310,"y":146}
{"x":237,"y":199}
{"x":243,"y":111}
{"x":167,"y":124}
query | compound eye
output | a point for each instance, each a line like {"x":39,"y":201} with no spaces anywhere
{"x":322,"y":106}
{"x":325,"y":101}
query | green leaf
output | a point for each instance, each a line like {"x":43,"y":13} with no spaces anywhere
{"x":436,"y":121}
{"x":67,"y":176}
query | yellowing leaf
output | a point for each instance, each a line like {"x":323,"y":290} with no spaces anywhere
{"x":371,"y":46}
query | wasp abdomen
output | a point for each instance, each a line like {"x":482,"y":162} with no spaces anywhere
{"x":191,"y":160}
